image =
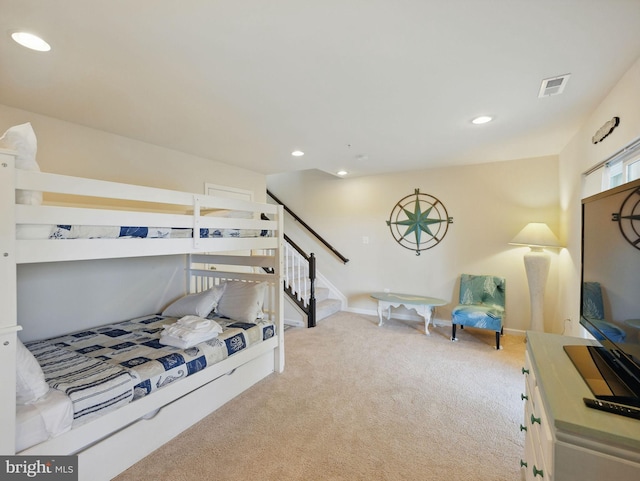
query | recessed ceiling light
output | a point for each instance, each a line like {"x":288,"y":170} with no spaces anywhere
{"x":483,"y":119}
{"x":342,"y":173}
{"x":31,"y":41}
{"x":297,"y":153}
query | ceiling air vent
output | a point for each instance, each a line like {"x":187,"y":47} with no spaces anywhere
{"x":553,"y":86}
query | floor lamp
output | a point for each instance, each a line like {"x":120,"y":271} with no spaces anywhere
{"x":537,"y":236}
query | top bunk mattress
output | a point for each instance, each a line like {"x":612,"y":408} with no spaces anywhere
{"x":47,"y":206}
{"x":37,"y":232}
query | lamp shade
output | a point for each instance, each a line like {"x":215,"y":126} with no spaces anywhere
{"x":536,"y":234}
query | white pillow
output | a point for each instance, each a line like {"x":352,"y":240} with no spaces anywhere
{"x":22,"y":139}
{"x":242,"y":301}
{"x":30,"y":383}
{"x":200,"y":304}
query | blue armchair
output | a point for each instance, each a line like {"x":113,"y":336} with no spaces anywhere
{"x":482,"y":305}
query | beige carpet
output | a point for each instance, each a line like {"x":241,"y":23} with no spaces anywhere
{"x":362,"y":402}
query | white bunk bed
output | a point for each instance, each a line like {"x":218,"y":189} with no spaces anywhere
{"x":110,"y":443}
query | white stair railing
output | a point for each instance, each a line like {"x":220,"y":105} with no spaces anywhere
{"x":296,"y":269}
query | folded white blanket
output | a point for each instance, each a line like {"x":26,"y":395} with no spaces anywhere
{"x":181,"y":343}
{"x":189,"y":331}
{"x":196,"y":323}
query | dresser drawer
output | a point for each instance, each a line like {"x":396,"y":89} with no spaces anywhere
{"x":542,"y":427}
{"x":565,"y":440}
{"x":538,"y":440}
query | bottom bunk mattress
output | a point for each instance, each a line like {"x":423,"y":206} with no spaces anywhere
{"x":103,"y":368}
{"x":47,"y":417}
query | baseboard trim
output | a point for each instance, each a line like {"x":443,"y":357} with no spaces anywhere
{"x":294,"y":323}
{"x":435,"y":321}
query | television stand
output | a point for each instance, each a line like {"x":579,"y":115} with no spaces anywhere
{"x":564,"y":439}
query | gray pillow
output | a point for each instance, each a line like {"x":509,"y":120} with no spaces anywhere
{"x":242,"y":301}
{"x":200,"y":304}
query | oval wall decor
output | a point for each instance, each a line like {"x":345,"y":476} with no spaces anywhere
{"x":605,"y":130}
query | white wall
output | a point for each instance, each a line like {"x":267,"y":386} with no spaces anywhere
{"x":71,"y":149}
{"x":489,"y":203}
{"x":579,"y":156}
{"x":76,"y":295}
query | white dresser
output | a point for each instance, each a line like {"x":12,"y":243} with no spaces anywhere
{"x":564,"y":439}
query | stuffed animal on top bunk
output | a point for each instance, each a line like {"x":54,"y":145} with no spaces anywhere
{"x":22,"y":139}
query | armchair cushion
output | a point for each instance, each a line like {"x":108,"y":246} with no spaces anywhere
{"x":483,"y":317}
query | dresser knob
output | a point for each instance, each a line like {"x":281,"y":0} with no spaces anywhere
{"x":523,"y":464}
{"x":524,"y":397}
{"x":537,"y":472}
{"x":523,"y":428}
{"x":525,"y":371}
{"x":534,"y":419}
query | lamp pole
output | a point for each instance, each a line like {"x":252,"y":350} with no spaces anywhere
{"x":536,"y":264}
{"x":537,"y":236}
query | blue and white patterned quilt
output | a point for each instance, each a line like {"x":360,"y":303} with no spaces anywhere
{"x":38,"y":232}
{"x":129,"y":232}
{"x":126,"y":361}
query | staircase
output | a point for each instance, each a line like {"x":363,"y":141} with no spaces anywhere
{"x":325,"y":305}
{"x":311,"y":296}
{"x":307,"y":288}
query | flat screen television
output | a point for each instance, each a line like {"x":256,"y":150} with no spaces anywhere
{"x":610,"y":294}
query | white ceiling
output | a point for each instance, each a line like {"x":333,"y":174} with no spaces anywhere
{"x":370,"y":86}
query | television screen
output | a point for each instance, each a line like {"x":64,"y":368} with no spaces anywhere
{"x":610,"y":293}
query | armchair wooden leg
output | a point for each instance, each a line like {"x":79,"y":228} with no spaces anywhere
{"x":497,"y":340}
{"x":453,"y":332}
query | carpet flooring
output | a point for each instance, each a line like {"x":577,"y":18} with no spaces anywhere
{"x":362,"y":402}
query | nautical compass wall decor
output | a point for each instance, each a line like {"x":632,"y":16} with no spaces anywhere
{"x":629,"y":218}
{"x":419,"y":221}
